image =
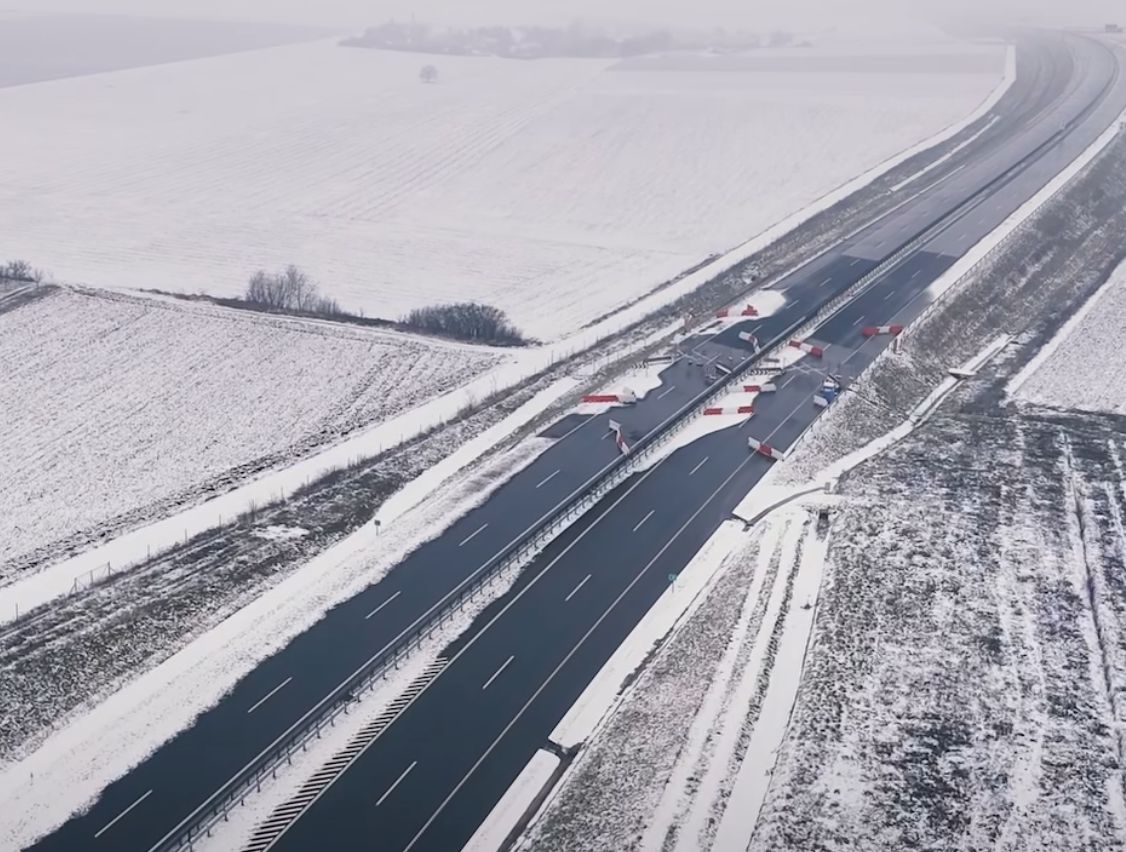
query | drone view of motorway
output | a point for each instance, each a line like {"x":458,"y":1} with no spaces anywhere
{"x":547,"y":426}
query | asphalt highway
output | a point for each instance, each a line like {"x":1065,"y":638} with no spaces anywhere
{"x":429,"y":780}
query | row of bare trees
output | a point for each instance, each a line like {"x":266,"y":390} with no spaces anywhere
{"x":20,"y":271}
{"x":290,"y":290}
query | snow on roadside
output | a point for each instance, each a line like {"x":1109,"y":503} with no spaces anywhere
{"x":645,"y":747}
{"x":99,"y":744}
{"x":122,"y":408}
{"x":58,"y":579}
{"x":1083,"y":366}
{"x":765,"y":302}
{"x":506,"y":815}
{"x":669,"y":815}
{"x":415,"y":491}
{"x":756,"y":764}
{"x":638,"y":381}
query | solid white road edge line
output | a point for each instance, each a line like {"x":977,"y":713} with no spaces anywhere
{"x":496,"y":674}
{"x":109,"y":824}
{"x":378,"y":608}
{"x":398,"y":781}
{"x":267,"y":696}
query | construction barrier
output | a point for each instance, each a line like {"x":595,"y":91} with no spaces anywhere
{"x":619,"y":441}
{"x":729,"y":409}
{"x":764,"y":449}
{"x":626,"y":397}
{"x":809,"y":348}
{"x":747,"y":311}
{"x":747,"y":337}
{"x":769,"y":387}
{"x":873,"y":330}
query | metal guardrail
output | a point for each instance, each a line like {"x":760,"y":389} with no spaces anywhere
{"x":529,"y":543}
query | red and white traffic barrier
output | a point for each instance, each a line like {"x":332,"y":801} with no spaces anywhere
{"x":619,"y":441}
{"x":873,"y":330}
{"x":745,"y":311}
{"x":626,"y":397}
{"x":747,"y":337}
{"x":808,"y":348}
{"x":729,"y":409}
{"x":769,"y":387}
{"x":764,"y":449}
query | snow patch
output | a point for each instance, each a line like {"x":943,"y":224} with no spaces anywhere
{"x":1084,"y":363}
{"x":279,"y":532}
{"x":506,"y":815}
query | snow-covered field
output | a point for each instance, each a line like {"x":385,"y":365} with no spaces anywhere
{"x":1085,"y":366}
{"x":557,"y":189}
{"x":963,"y":686}
{"x":118,"y":408}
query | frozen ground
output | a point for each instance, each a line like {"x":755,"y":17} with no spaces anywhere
{"x":119,"y":409}
{"x":191,"y":176}
{"x":960,"y":692}
{"x":1086,"y":365}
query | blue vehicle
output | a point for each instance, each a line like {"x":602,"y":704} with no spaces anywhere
{"x":830,"y":390}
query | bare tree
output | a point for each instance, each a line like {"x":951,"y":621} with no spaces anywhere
{"x":428,"y":74}
{"x":289,"y":290}
{"x":21,"y":271}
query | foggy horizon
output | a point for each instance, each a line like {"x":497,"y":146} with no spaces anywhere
{"x":878,"y":15}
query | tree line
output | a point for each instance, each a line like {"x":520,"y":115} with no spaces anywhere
{"x":292,"y":291}
{"x":20,"y":271}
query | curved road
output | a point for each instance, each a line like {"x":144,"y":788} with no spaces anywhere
{"x":432,"y":776}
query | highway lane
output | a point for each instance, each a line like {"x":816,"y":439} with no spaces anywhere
{"x":462,"y":762}
{"x":267,"y":701}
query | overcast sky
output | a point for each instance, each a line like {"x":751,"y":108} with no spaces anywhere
{"x":753,"y":14}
